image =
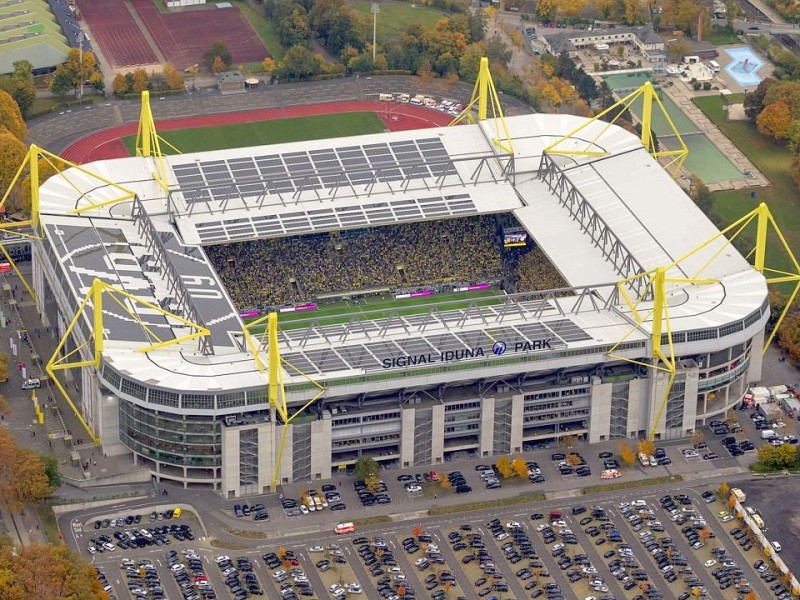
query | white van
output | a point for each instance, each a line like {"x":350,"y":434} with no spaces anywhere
{"x":768,"y":433}
{"x":714,"y":65}
{"x":385,"y":97}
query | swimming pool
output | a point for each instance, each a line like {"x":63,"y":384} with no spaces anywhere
{"x":744,"y":66}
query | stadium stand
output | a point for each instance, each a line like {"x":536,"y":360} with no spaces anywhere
{"x":264,"y":273}
{"x":66,"y":18}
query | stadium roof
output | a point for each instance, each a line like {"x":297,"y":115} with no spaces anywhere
{"x":30,"y":30}
{"x":593,"y":217}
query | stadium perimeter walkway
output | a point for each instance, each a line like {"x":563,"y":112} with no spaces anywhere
{"x":57,"y":131}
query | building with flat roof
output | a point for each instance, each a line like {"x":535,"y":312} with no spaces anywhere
{"x":501,"y":375}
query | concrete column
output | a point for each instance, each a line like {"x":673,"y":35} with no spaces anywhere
{"x":321,"y":449}
{"x":754,"y":370}
{"x":660,"y":380}
{"x":407,"y":438}
{"x":230,"y":461}
{"x":517,"y":416}
{"x":437,"y":435}
{"x":487,"y":426}
{"x":690,"y":399}
{"x":266,"y":456}
{"x":38,"y":283}
{"x":638,"y":393}
{"x":600,"y":411}
{"x":286,"y":466}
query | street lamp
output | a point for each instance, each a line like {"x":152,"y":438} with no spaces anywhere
{"x":80,"y":54}
{"x":375,"y":10}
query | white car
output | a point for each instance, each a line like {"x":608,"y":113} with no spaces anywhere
{"x":513,"y":525}
{"x":304,"y":509}
{"x":690,"y":453}
{"x":777,"y":546}
{"x":316,"y":549}
{"x":709,"y":563}
{"x":727,"y":518}
{"x":222,"y":559}
{"x":412,"y":488}
{"x":92,"y":549}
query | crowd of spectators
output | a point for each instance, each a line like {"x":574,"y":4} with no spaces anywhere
{"x":270,"y":273}
{"x":532,"y":271}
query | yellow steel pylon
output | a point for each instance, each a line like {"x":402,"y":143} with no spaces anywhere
{"x":124,"y":300}
{"x":275,"y":386}
{"x":591,"y":148}
{"x":30,"y":166}
{"x":483,"y":94}
{"x":658,"y":315}
{"x":148,"y":142}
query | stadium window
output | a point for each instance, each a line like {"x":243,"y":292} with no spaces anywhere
{"x":258,"y":396}
{"x":701,"y":334}
{"x":201,"y":401}
{"x":163,"y":397}
{"x":136,"y":390}
{"x":111,"y":376}
{"x":230,"y":400}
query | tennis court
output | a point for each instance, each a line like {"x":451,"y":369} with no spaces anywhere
{"x":705,"y":160}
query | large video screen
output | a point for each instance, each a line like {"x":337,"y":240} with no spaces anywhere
{"x":515,"y":239}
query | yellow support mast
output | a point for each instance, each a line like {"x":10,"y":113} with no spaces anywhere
{"x":275,"y":382}
{"x":95,"y":296}
{"x":148,"y":142}
{"x":569,"y":145}
{"x":656,"y":290}
{"x":485,"y":94}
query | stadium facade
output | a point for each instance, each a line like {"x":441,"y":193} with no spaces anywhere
{"x":465,"y":379}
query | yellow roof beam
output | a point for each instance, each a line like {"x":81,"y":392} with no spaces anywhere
{"x":484,"y":94}
{"x":648,"y":95}
{"x":95,"y":296}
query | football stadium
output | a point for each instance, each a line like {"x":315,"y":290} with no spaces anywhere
{"x":468,"y":291}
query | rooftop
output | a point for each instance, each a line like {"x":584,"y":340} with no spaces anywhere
{"x":588,"y":215}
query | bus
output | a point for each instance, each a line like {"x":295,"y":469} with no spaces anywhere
{"x":758,"y":521}
{"x":343,"y":528}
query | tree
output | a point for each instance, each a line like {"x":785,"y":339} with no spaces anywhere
{"x":546,"y":9}
{"x":678,"y":49}
{"x":774,"y":120}
{"x":519,"y":467}
{"x":173,"y":78}
{"x":754,"y":101}
{"x":780,"y":457}
{"x":724,"y":490}
{"x":632,"y":10}
{"x":573,"y":459}
{"x":21,"y":86}
{"x":647,"y":446}
{"x":217,"y":49}
{"x":366,"y":466}
{"x":11,"y":117}
{"x":46,"y":571}
{"x":218,"y":66}
{"x":22,"y":473}
{"x":698,"y":437}
{"x":444,"y":482}
{"x":704,"y":534}
{"x":268,"y":65}
{"x":417,"y":531}
{"x":12,"y":153}
{"x":568,"y":442}
{"x":298,"y":64}
{"x":61,"y":83}
{"x":50,"y":463}
{"x":626,"y":453}
{"x":504,"y":466}
{"x":373,"y":483}
{"x":140,"y":81}
{"x":795,"y":169}
{"x":120,"y":85}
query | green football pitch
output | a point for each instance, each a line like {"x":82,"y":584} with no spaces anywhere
{"x":258,"y":133}
{"x":379,"y":307}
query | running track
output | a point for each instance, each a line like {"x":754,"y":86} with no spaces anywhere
{"x":108,"y":142}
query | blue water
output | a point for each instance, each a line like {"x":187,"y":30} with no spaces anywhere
{"x":744,"y":66}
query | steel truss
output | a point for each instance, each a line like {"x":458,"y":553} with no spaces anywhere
{"x":158,"y":252}
{"x":603,"y":237}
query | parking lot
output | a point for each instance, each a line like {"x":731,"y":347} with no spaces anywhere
{"x":652,"y":546}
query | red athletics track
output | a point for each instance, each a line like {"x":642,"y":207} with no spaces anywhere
{"x":398,"y":117}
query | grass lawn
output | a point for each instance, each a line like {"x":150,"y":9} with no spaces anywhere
{"x":380,"y":307}
{"x":264,"y":28}
{"x":395,"y":18}
{"x":722,"y":38}
{"x":773,"y":160}
{"x":276,"y":131}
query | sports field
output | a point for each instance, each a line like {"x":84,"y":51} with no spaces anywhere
{"x":395,"y":18}
{"x":275,"y":131}
{"x":379,"y":307}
